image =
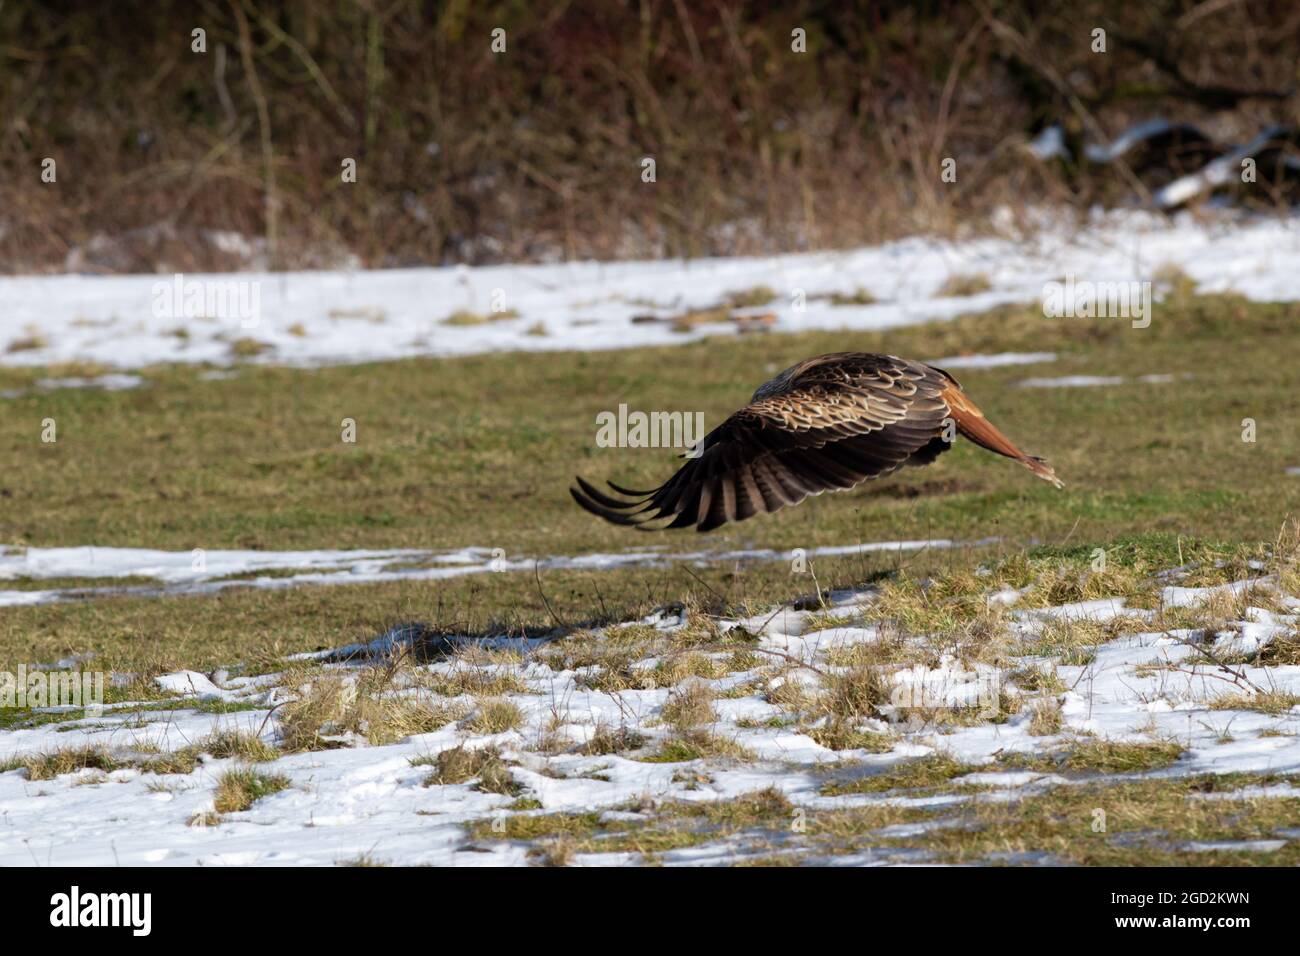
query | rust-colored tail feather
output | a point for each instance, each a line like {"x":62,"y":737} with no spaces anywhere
{"x":972,"y":424}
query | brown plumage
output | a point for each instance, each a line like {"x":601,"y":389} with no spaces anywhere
{"x":826,"y":424}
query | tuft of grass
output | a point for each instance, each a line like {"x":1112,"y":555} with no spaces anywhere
{"x":1046,"y":717}
{"x":1174,"y":280}
{"x":222,"y":744}
{"x":1147,"y":822}
{"x":842,"y":735}
{"x":586,"y":833}
{"x":27,"y":343}
{"x":613,"y":740}
{"x":558,"y":851}
{"x":689,"y":711}
{"x":1284,"y":557}
{"x":1059,"y":582}
{"x":464,"y":317}
{"x":47,"y":766}
{"x":921,"y":773}
{"x":1100,"y":756}
{"x":692,"y":319}
{"x":248,"y":348}
{"x":387,"y":720}
{"x":539,"y":826}
{"x":181,"y":761}
{"x":689,"y":707}
{"x":789,"y":693}
{"x":751,"y":298}
{"x":745,"y":810}
{"x":330,"y":705}
{"x":1273,"y":702}
{"x":1038,"y":679}
{"x":554,"y":838}
{"x":240,"y":787}
{"x":1069,"y":640}
{"x":1284,"y":649}
{"x":951,"y":609}
{"x":859,"y":296}
{"x":964,"y":284}
{"x":462,"y":764}
{"x":237,"y":744}
{"x":679,"y":667}
{"x":318,"y":711}
{"x":854,"y":693}
{"x":476,"y":682}
{"x":697,"y":745}
{"x":495,"y":715}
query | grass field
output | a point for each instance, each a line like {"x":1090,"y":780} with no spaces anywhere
{"x":479,"y":451}
{"x":712,"y":742}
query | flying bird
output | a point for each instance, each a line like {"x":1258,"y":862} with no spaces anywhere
{"x":826,"y":424}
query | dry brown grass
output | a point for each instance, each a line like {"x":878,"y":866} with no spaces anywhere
{"x":1271,"y":702}
{"x":46,"y":766}
{"x":462,"y":764}
{"x":613,"y":740}
{"x":963,"y":285}
{"x":237,"y":744}
{"x":1046,"y":720}
{"x":854,"y":693}
{"x":690,"y":707}
{"x":757,"y":147}
{"x":557,"y":851}
{"x":372,"y":704}
{"x":841,"y":734}
{"x":1284,"y":561}
{"x":495,"y":715}
{"x":475,"y":681}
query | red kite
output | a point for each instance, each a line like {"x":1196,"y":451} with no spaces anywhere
{"x":826,"y":424}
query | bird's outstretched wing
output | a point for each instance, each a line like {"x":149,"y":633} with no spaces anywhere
{"x":826,"y":425}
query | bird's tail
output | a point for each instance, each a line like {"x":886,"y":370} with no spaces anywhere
{"x":972,"y":424}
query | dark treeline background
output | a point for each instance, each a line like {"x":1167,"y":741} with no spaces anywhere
{"x":464,"y":155}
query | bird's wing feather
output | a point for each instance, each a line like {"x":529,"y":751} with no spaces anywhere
{"x":834,"y":423}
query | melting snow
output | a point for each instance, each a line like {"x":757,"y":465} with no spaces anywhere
{"x":329,"y":317}
{"x":996,"y":360}
{"x":369,"y":800}
{"x":1086,"y":381}
{"x":205,"y":572}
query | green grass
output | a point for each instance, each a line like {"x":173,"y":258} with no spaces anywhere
{"x":670,"y":826}
{"x":924,"y":772}
{"x":480,"y":451}
{"x":1146,"y":823}
{"x":240,"y":787}
{"x":1140,"y":822}
{"x":1100,"y":756}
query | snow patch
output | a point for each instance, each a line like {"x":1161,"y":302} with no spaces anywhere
{"x":313,"y":318}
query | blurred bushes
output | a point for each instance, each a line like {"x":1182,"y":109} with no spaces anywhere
{"x":536,"y":153}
